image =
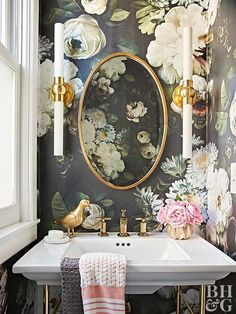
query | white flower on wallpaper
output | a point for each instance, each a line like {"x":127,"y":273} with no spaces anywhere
{"x":174,"y":166}
{"x":107,"y":134}
{"x":103,"y":87}
{"x":45,"y":105}
{"x":149,"y":201}
{"x":88,"y":131}
{"x":166,"y":50}
{"x":197,"y":167}
{"x":135,"y":111}
{"x":219,"y":207}
{"x":83,"y":37}
{"x":45,"y":48}
{"x":110,"y":158}
{"x":94,"y":6}
{"x":112,"y":69}
{"x":96,"y":116}
{"x":187,"y":192}
{"x":232,"y":115}
{"x":203,"y":3}
{"x":212,"y":11}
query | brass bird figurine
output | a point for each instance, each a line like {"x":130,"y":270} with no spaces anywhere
{"x":74,"y":218}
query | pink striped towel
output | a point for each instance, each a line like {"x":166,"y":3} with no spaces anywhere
{"x":103,"y":279}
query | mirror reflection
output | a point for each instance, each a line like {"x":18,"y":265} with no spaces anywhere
{"x":122,"y":121}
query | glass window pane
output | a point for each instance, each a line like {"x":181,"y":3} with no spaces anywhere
{"x":7,"y":134}
{"x":1,"y":21}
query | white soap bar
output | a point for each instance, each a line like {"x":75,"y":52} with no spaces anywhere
{"x":55,"y":234}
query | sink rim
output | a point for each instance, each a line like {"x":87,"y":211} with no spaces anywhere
{"x":133,"y":261}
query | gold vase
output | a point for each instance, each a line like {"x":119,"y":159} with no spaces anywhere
{"x":180,"y":233}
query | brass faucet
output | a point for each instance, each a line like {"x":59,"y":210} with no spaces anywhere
{"x":143,"y":227}
{"x":103,"y":226}
{"x":123,"y":224}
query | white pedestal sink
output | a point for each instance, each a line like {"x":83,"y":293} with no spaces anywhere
{"x":153,"y":261}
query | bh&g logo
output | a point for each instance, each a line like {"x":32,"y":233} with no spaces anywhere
{"x":219,"y":298}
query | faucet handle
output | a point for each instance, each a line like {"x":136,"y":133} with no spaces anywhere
{"x":103,"y":219}
{"x":123,"y":212}
{"x":143,"y":227}
{"x":103,"y":226}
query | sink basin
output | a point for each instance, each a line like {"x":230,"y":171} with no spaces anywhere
{"x":137,"y":250}
{"x":151,"y":262}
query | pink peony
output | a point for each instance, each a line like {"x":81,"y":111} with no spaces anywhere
{"x":179,"y":213}
{"x":195,"y":216}
{"x":161,"y":216}
{"x":176,"y":215}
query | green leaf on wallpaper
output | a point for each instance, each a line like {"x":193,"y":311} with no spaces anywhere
{"x":58,"y":206}
{"x":231,"y":73}
{"x":234,"y":53}
{"x":82,"y":196}
{"x":178,"y":198}
{"x":138,"y":4}
{"x":99,"y":196}
{"x":69,"y":5}
{"x":52,"y":14}
{"x":128,"y":176}
{"x":144,"y":11}
{"x":129,"y":78}
{"x":111,"y":6}
{"x":221,"y":122}
{"x":126,"y":45}
{"x":224,"y":96}
{"x":107,"y":202}
{"x":119,"y":15}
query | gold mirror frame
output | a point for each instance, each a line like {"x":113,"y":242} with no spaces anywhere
{"x":165,"y":118}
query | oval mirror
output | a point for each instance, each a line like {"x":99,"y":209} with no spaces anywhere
{"x":122,"y":121}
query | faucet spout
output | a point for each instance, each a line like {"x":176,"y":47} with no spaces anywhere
{"x":123,"y":224}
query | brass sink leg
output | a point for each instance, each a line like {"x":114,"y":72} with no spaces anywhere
{"x":178,"y":301}
{"x":202,"y":300}
{"x":46,"y":291}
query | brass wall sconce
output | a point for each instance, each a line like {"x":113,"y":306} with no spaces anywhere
{"x":61,"y":93}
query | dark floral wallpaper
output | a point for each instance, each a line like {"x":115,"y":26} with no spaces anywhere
{"x":152,"y":30}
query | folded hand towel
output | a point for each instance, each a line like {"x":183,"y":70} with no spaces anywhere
{"x":70,"y":284}
{"x":103,"y":280}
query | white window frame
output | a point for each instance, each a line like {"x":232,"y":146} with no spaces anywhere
{"x":18,"y":235}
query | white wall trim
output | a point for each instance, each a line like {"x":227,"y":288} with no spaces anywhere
{"x":29,"y":99}
{"x":15,"y":237}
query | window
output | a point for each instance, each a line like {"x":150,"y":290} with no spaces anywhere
{"x":9,"y":138}
{"x":18,"y":103}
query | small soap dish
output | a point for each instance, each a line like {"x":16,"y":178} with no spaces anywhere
{"x":65,"y":239}
{"x":56,"y":237}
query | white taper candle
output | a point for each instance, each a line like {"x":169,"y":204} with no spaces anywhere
{"x":187,"y":53}
{"x":58,"y":49}
{"x":58,"y":127}
{"x":187,"y":108}
{"x":58,"y":72}
{"x":187,"y":130}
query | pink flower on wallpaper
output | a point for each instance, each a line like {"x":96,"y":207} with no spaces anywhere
{"x":179,"y":213}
